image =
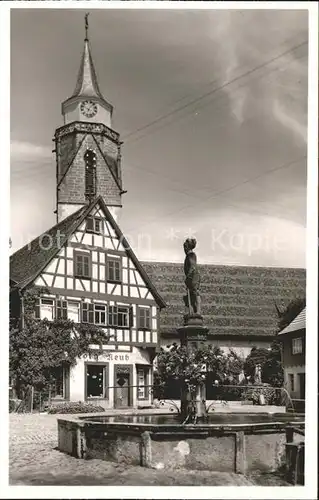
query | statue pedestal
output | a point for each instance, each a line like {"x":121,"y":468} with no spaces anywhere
{"x":192,"y":335}
{"x":193,"y":331}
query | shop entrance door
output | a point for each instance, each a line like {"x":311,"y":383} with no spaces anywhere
{"x":122,"y":384}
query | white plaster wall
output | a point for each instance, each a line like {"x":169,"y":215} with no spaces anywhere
{"x":77,"y":373}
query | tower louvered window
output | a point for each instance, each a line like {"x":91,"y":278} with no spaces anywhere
{"x":90,"y":174}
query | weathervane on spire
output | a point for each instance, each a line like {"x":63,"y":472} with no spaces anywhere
{"x":86,"y":25}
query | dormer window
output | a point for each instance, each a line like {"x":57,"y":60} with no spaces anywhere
{"x":94,"y":225}
{"x":90,"y":174}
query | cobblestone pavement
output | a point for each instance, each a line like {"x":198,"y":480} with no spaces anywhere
{"x":35,"y":460}
{"x":33,"y":428}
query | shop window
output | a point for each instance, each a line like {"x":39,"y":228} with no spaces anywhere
{"x":97,"y":381}
{"x":142,"y":382}
{"x":144,"y":318}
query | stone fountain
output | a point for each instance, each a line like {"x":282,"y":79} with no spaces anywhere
{"x":228,"y":442}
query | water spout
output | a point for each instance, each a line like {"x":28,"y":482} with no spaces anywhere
{"x":284,"y":390}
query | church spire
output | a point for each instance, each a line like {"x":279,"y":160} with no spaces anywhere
{"x":86,"y":18}
{"x":87,"y":85}
{"x":87,"y":102}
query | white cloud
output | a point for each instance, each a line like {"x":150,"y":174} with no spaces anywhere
{"x":24,"y":150}
{"x":289,"y":121}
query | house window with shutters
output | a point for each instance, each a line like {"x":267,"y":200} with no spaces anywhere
{"x":94,"y":225}
{"x":82,"y":265}
{"x":61,"y":309}
{"x":144,"y":318}
{"x":120,"y":316}
{"x":114,"y":269}
{"x":68,"y":309}
{"x":90,"y":174}
{"x":87,"y":312}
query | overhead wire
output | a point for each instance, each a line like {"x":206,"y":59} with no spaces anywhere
{"x":219,"y":193}
{"x":194,"y":101}
{"x":39,"y":170}
{"x":216,"y":89}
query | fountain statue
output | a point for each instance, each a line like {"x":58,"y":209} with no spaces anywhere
{"x":258,"y":374}
{"x":192,"y":278}
{"x":192,"y":334}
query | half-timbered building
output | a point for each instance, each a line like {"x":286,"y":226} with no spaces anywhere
{"x":85,"y":265}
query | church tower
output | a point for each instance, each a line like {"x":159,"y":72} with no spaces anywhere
{"x":88,"y":150}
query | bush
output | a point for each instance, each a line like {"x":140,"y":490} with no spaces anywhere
{"x":79,"y":407}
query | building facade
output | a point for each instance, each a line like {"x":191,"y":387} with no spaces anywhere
{"x":85,"y":270}
{"x":84,"y":267}
{"x":293,"y":341}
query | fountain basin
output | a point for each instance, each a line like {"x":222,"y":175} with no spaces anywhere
{"x":227,"y":443}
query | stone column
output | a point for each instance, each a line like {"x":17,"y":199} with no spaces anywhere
{"x":192,"y":334}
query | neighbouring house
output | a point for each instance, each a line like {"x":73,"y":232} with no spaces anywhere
{"x":238,"y":302}
{"x":91,"y":275}
{"x":293,"y":341}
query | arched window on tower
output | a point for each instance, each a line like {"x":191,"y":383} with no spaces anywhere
{"x":90,"y":174}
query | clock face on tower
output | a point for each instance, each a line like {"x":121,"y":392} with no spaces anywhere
{"x":88,"y":108}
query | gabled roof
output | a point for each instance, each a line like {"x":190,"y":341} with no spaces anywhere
{"x":27,"y":263}
{"x":299,"y":323}
{"x":236,"y":301}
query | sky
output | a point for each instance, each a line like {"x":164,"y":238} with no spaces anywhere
{"x":211,"y":107}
